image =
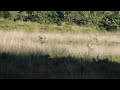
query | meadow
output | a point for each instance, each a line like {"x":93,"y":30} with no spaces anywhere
{"x":37,"y":51}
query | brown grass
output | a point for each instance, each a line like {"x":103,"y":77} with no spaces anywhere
{"x":25,"y":42}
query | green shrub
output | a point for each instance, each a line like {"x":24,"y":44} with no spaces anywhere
{"x":108,"y":20}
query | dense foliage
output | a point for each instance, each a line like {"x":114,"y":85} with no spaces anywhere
{"x":108,"y":20}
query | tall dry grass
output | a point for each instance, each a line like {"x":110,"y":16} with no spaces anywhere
{"x":55,"y":46}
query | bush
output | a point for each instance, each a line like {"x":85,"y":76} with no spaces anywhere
{"x":110,"y":22}
{"x":13,"y":15}
{"x":4,"y":14}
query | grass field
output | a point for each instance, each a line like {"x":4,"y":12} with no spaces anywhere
{"x":35,"y":51}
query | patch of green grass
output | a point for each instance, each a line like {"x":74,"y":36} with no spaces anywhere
{"x":31,"y":26}
{"x":19,"y":25}
{"x":55,"y":28}
{"x":10,"y":25}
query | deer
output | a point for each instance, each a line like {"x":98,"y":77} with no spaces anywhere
{"x":90,"y":47}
